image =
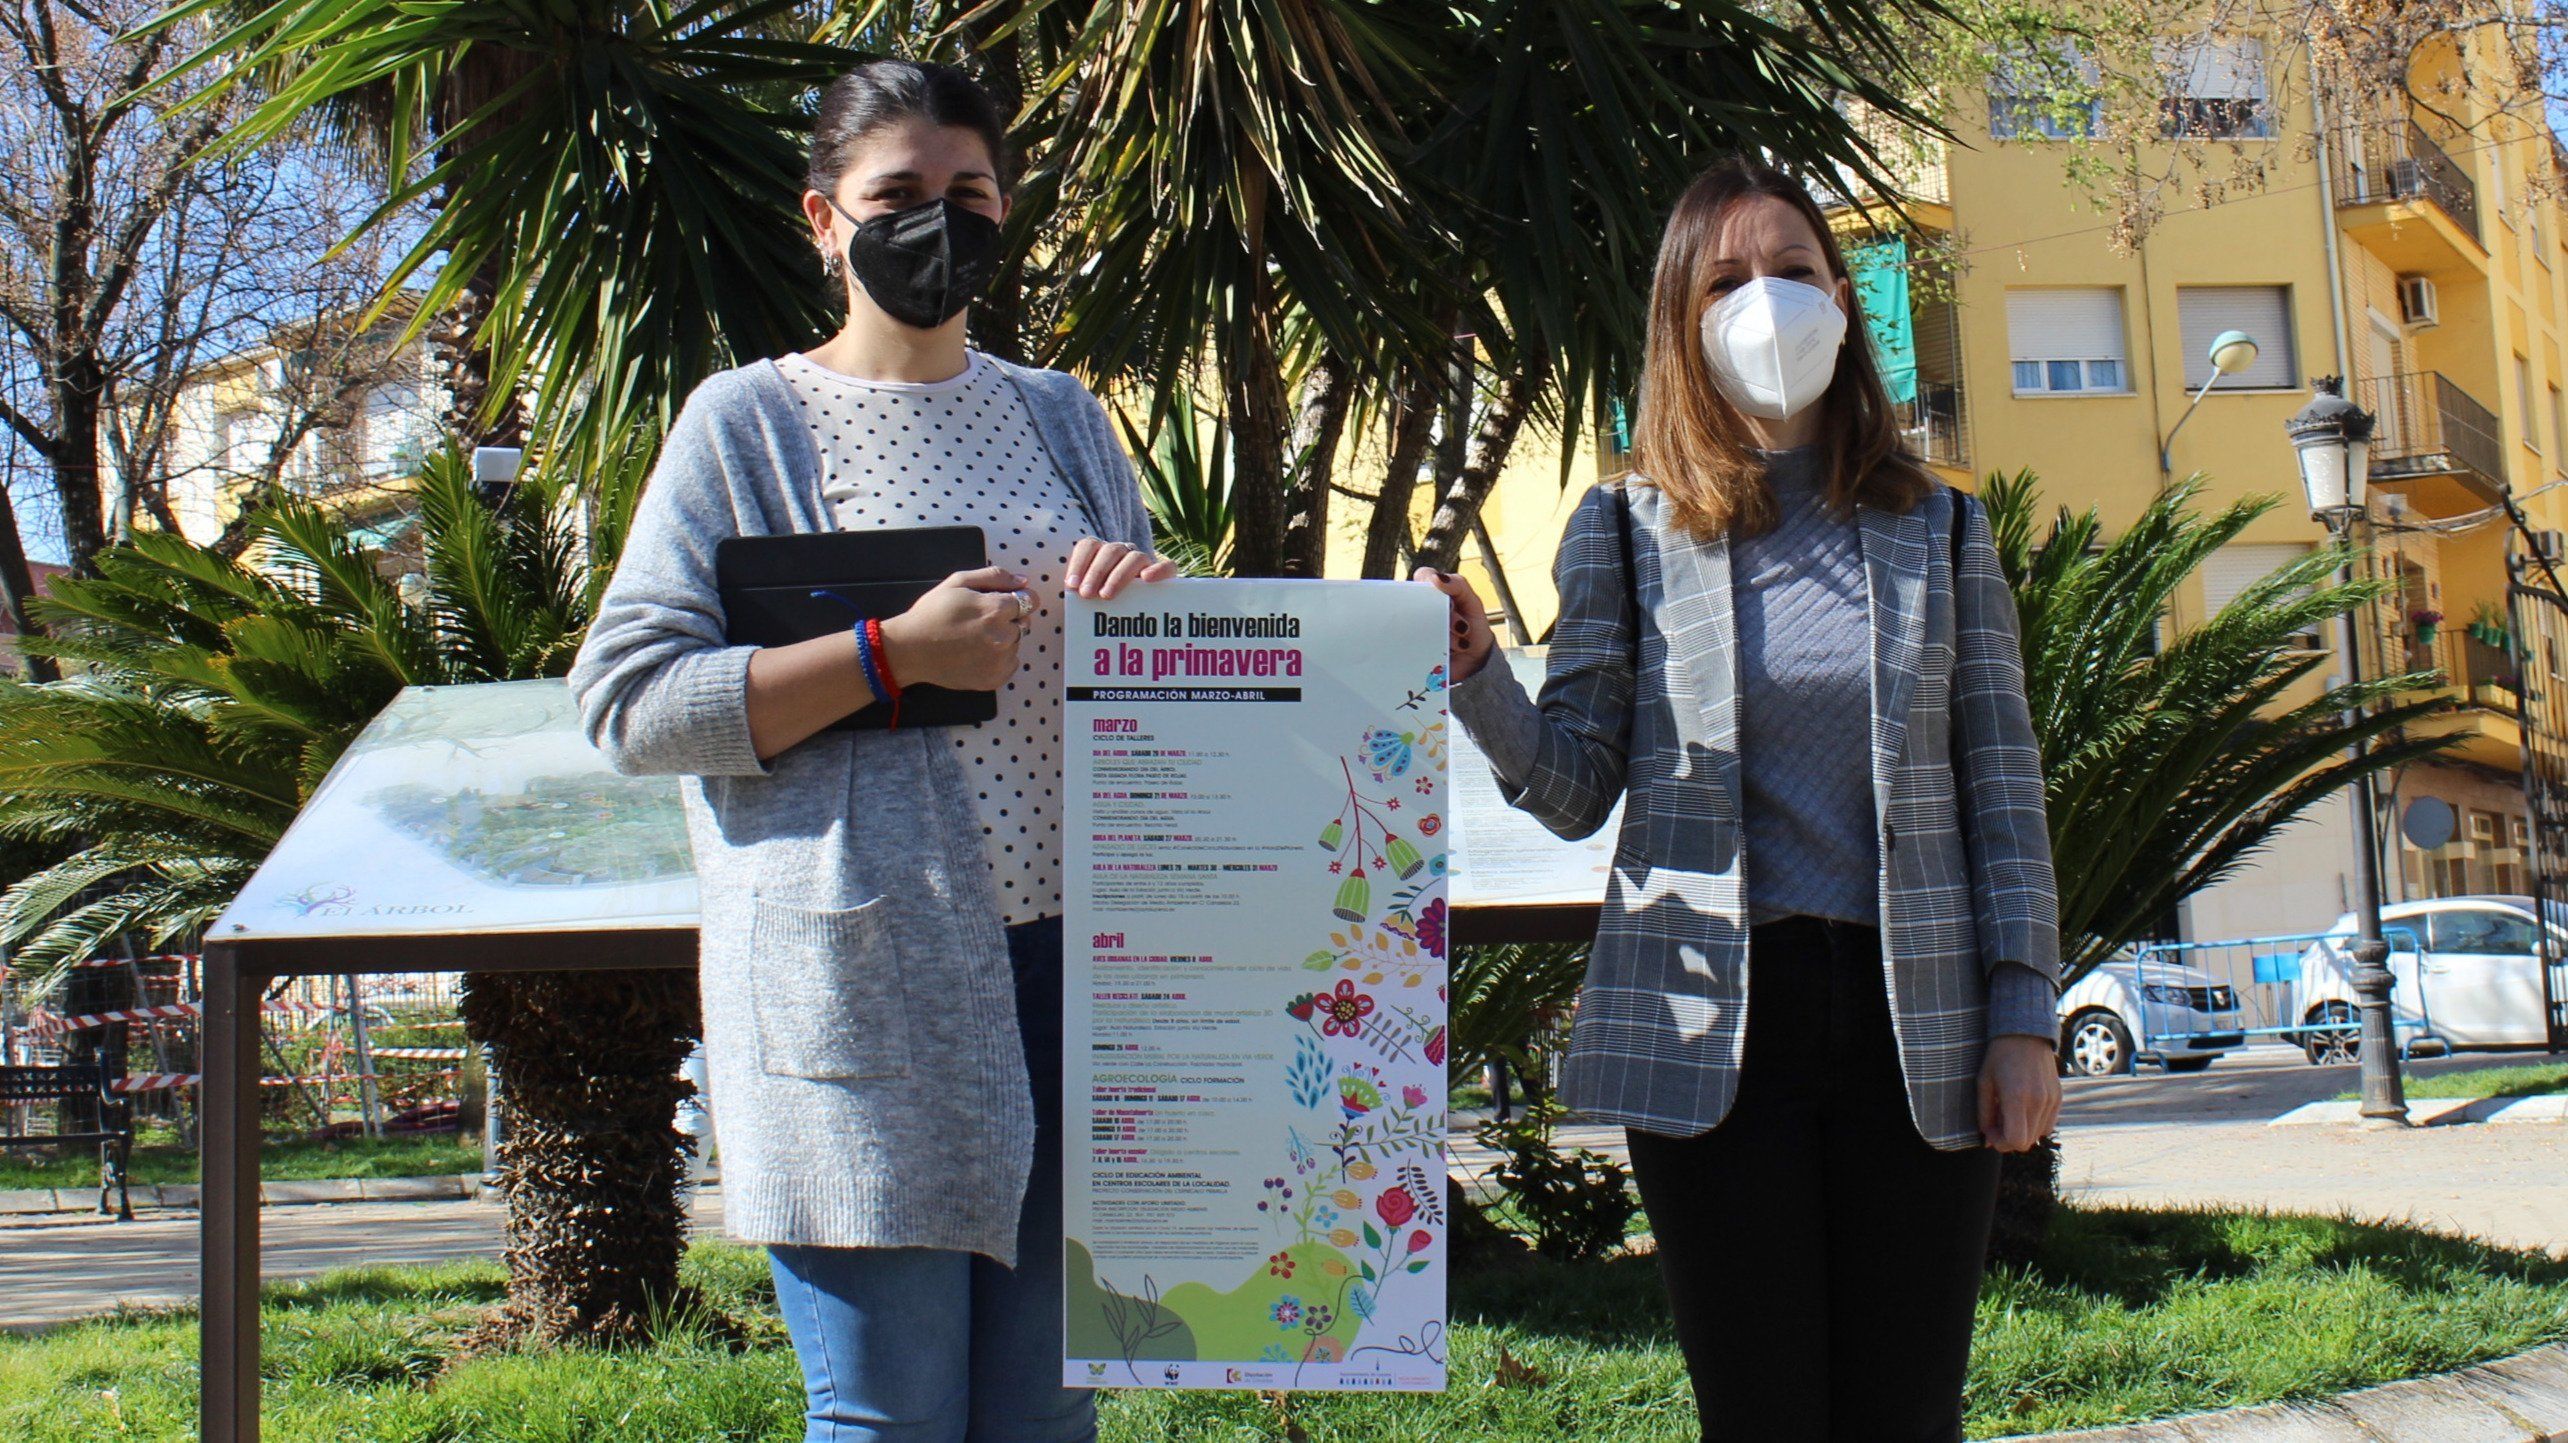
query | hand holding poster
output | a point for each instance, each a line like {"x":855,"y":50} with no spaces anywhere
{"x":1255,"y":904}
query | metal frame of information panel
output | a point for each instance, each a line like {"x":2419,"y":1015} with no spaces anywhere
{"x":237,"y":972}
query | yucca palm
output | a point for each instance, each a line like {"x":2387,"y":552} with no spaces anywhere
{"x":2169,"y":767}
{"x":208,"y":698}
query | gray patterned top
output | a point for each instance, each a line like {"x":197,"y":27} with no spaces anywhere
{"x":1805,"y":705}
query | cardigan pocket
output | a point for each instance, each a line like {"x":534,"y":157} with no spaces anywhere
{"x":826,"y":991}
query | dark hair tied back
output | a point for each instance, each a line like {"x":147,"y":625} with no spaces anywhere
{"x":886,"y":92}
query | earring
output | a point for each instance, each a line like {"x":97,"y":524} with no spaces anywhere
{"x":831,"y":263}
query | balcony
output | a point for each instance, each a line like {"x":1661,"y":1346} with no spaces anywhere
{"x":2404,"y":164}
{"x":1913,"y":164}
{"x":2407,"y":200}
{"x":2429,"y":428}
{"x":1935,"y":426}
{"x":2482,"y":679}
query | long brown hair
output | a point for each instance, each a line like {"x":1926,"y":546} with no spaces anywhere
{"x":1691,"y":443}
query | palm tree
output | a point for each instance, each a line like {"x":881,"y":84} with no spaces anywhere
{"x":1563,"y":131}
{"x":601,"y":183}
{"x":1310,"y":198}
{"x":2170,"y":767}
{"x":209,"y":698}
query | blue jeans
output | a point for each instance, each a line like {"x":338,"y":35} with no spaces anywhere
{"x":934,"y":1345}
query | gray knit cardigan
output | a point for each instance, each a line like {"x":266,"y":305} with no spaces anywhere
{"x":859,"y":1015}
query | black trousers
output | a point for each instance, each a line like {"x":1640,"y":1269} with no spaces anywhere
{"x":1821,"y":1259}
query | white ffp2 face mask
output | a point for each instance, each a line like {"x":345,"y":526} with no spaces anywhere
{"x":1772,"y":345}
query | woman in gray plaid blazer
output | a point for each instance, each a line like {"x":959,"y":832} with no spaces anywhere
{"x":1791,"y":653}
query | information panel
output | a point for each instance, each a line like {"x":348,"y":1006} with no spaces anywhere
{"x":1255,"y":869}
{"x":1501,"y":856}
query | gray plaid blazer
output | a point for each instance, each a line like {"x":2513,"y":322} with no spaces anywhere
{"x":1640,"y":701}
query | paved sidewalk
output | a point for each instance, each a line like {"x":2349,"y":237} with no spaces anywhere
{"x":57,"y":1272}
{"x":2153,"y":1140}
{"x":2149,"y":1140}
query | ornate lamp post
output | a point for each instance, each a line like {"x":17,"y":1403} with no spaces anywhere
{"x":2334,"y":439}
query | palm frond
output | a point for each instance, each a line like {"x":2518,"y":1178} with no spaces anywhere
{"x":2170,"y":767}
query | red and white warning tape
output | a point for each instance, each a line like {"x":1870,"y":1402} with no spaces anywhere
{"x":421,"y":1054}
{"x":56,"y":1022}
{"x":43,"y":1021}
{"x":155,"y":1081}
{"x":139,"y":961}
{"x":168,"y":1081}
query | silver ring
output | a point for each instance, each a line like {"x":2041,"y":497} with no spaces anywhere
{"x":1025,"y":604}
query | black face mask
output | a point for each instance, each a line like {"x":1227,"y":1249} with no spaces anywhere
{"x":923,"y":265}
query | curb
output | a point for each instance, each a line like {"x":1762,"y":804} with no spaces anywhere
{"x":2522,"y":1399}
{"x":2437,"y":1111}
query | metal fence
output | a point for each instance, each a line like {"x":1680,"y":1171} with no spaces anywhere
{"x":2289,"y":988}
{"x":366,"y":1053}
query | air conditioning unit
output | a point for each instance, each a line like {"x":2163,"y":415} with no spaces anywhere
{"x":2548,"y":540}
{"x":2416,"y":301}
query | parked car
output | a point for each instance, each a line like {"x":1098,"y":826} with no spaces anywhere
{"x":2475,"y":984}
{"x":2127,"y":1011}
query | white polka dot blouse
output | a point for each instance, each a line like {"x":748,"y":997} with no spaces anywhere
{"x":963,"y":452}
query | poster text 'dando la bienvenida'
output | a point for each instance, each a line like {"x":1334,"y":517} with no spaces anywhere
{"x":1254,"y":1117}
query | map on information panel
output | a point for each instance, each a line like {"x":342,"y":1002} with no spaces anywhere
{"x":473,"y":808}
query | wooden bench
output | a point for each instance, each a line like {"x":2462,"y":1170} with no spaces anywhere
{"x":115,"y":1135}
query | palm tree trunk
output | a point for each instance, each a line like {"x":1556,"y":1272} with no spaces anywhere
{"x":592,"y":1161}
{"x":2028,"y":1193}
{"x":1413,"y":423}
{"x":1463,"y":495}
{"x":17,"y":588}
{"x":463,"y":365}
{"x":1253,"y":386}
{"x":1327,"y":391}
{"x":998,"y":318}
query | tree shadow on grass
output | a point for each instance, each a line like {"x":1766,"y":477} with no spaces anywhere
{"x":1613,"y":1303}
{"x":2134,"y":1257}
{"x":2137,"y":1256}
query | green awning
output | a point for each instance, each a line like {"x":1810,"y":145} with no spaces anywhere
{"x":1881,"y":292}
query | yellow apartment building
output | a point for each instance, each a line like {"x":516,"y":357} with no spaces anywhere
{"x":2423,"y":263}
{"x":335,"y":417}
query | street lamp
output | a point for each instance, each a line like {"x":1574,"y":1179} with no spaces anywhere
{"x":2334,"y":439}
{"x":2231,"y":352}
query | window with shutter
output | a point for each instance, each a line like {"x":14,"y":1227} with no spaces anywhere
{"x":2241,"y":564}
{"x":2066,"y":340}
{"x":2214,"y":89}
{"x":2264,"y":312}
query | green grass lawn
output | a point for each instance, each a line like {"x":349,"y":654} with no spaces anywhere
{"x":418,"y":1155}
{"x":2131,"y":1315}
{"x":2538,"y":1079}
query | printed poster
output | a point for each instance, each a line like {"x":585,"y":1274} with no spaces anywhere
{"x":1255,"y":870}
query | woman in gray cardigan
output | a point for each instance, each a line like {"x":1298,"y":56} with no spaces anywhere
{"x":1791,"y":653}
{"x":881,"y":929}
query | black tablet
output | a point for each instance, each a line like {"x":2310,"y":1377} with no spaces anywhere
{"x":781,"y":589}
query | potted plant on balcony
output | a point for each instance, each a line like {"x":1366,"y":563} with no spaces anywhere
{"x":2425,"y":619}
{"x":2488,"y":628}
